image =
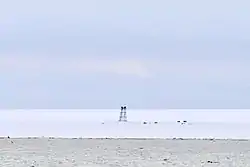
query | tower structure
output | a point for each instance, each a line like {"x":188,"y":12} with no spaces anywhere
{"x":123,"y":114}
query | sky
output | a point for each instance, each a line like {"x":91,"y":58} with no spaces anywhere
{"x":144,"y":54}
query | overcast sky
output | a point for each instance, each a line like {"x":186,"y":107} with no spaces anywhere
{"x":143,"y":53}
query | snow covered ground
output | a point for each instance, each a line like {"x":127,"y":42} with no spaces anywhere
{"x":201,"y":123}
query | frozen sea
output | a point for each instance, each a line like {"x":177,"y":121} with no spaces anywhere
{"x":68,"y":123}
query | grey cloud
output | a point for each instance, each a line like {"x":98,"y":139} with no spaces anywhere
{"x":195,"y":52}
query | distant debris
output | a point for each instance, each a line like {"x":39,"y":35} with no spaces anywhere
{"x":9,"y":138}
{"x":150,"y":122}
{"x":182,"y":122}
{"x":212,"y":162}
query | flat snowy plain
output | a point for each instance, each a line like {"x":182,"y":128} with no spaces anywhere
{"x":75,"y":142}
{"x":201,"y":123}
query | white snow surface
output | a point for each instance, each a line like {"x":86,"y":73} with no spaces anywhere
{"x":201,"y":123}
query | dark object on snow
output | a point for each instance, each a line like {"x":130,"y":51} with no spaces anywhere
{"x":212,"y":162}
{"x":123,"y":114}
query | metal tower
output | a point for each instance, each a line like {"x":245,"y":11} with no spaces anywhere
{"x":123,"y":114}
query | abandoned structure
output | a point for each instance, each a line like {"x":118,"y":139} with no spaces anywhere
{"x":123,"y":114}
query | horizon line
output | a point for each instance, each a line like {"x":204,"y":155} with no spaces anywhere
{"x":115,"y":109}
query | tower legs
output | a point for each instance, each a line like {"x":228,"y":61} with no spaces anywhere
{"x":123,"y":114}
